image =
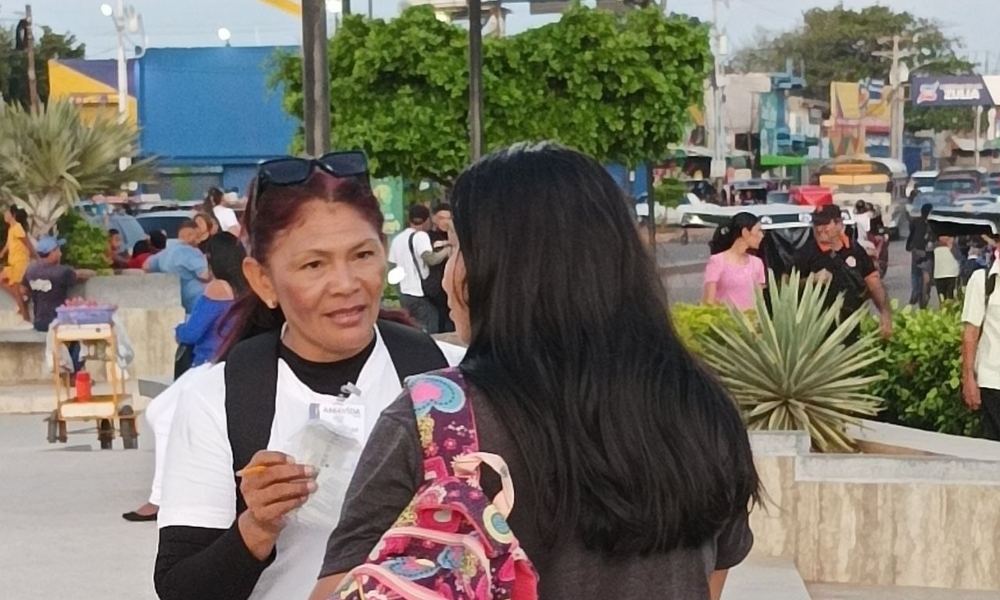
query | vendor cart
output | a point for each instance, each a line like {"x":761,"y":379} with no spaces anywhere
{"x":113,"y":411}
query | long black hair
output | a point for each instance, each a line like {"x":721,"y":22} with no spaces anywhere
{"x":225,"y":256}
{"x":725,"y":236}
{"x":630,"y":444}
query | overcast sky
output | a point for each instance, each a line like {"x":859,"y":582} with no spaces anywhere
{"x":196,"y":22}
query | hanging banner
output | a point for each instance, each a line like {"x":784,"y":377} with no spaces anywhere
{"x":956,"y":90}
{"x":389,"y":192}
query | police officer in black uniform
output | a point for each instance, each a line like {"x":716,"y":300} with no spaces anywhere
{"x":846,"y":266}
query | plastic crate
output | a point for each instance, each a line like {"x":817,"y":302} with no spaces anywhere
{"x":85,"y":315}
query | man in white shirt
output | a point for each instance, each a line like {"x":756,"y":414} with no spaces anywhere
{"x":407,"y":252}
{"x":981,"y":349}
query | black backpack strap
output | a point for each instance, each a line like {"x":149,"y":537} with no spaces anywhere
{"x":412,"y":351}
{"x":413,"y":255}
{"x":251,"y":374}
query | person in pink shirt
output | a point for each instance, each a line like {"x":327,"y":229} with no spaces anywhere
{"x":733,"y":274}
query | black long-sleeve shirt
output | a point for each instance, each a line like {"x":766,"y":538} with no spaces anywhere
{"x":197,"y":563}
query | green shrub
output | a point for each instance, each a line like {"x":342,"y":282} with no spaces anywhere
{"x":922,"y":372}
{"x":694,"y":323}
{"x":668,"y":192}
{"x":86,"y":244}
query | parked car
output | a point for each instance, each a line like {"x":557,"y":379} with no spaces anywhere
{"x":667,"y":215}
{"x":921,"y":181}
{"x":957,"y":185}
{"x":993,"y":183}
{"x":168,"y":221}
{"x":935,"y":199}
{"x":977,"y":200}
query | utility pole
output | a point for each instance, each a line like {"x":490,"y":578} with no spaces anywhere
{"x":345,"y":7}
{"x":899,"y":73}
{"x":315,"y":77}
{"x":719,"y":151}
{"x":29,"y":41}
{"x":476,"y":78}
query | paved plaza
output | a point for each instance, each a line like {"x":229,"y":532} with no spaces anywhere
{"x":61,"y":531}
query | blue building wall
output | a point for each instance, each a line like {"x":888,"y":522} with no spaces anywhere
{"x":208,"y":114}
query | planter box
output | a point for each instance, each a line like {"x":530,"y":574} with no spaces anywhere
{"x":926,"y":519}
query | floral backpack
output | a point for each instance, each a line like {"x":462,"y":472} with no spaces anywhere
{"x":451,"y":542}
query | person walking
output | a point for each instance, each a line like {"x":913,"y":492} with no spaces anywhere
{"x":733,"y":274}
{"x":921,"y":262}
{"x":631,"y":464}
{"x":981,"y":348}
{"x":947,"y":267}
{"x":847,"y":267}
{"x":408,"y":252}
{"x":308,"y":343}
{"x":441,"y":245}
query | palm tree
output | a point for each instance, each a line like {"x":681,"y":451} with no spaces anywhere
{"x":49,"y":160}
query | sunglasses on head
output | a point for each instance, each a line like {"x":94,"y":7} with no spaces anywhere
{"x":294,"y":171}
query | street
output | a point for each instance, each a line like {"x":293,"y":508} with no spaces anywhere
{"x":685,"y":264}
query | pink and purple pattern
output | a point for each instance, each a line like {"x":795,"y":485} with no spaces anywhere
{"x":451,"y":542}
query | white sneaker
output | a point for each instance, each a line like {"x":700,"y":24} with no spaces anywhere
{"x":23,"y":326}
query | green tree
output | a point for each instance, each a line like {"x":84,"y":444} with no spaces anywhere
{"x":837,"y":45}
{"x":51,"y":159}
{"x":615,"y":87}
{"x":14,"y":63}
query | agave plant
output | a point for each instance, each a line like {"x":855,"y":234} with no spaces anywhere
{"x":789,"y":367}
{"x":50,"y":159}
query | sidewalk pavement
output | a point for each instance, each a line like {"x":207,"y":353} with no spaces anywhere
{"x":60,"y":515}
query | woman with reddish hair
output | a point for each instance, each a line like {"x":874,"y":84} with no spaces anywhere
{"x":308,"y":343}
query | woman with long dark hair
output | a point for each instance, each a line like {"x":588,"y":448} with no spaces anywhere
{"x":308,"y":343}
{"x":632,"y":466}
{"x":733,"y":274}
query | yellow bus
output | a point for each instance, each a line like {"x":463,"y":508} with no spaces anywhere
{"x":880,"y":181}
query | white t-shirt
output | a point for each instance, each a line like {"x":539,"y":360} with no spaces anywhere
{"x":399,"y":255}
{"x":945,"y":264}
{"x":198,"y":485}
{"x":226,"y":217}
{"x":975,"y":312}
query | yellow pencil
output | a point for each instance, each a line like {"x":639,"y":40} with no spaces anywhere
{"x":251,"y":471}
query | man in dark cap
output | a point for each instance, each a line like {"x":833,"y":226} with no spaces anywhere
{"x":846,"y":266}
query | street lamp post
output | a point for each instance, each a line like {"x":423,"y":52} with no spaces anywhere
{"x":127,"y":21}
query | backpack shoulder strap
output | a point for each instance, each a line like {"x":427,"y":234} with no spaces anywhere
{"x":413,"y":255}
{"x":251,"y":374}
{"x":412,"y":351}
{"x":445,"y":420}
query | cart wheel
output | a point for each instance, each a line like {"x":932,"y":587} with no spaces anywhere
{"x":128,"y":430}
{"x":63,"y":433}
{"x":53,"y":427}
{"x":106,"y":434}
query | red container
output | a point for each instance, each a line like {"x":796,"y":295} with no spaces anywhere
{"x":83,"y":386}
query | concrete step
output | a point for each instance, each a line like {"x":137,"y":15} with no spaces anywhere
{"x":765,"y":578}
{"x":41,"y":397}
{"x":842,"y":591}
